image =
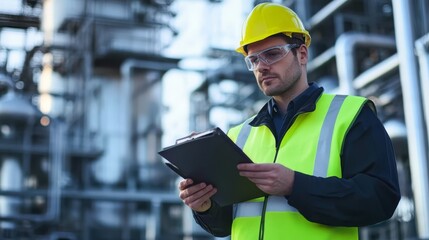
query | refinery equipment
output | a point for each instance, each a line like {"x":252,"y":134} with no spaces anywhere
{"x":81,"y":109}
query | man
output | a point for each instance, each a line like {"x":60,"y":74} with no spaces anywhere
{"x":325,"y":161}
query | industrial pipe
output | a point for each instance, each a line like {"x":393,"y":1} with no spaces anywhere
{"x":321,"y":60}
{"x":325,"y":12}
{"x":375,"y":72}
{"x":422,"y":45}
{"x":344,"y":51}
{"x":413,"y":114}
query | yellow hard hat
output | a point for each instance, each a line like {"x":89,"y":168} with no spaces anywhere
{"x":268,"y":19}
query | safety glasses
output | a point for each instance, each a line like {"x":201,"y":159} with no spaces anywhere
{"x":268,"y":56}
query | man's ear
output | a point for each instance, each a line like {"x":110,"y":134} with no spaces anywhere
{"x":302,"y":54}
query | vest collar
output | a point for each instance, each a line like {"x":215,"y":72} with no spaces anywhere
{"x":305,"y":102}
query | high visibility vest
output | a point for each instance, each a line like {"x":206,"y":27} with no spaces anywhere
{"x":311,"y":146}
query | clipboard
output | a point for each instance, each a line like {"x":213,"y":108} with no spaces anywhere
{"x":212,"y":157}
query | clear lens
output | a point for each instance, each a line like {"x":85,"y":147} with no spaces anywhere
{"x":268,"y":56}
{"x":250,"y":63}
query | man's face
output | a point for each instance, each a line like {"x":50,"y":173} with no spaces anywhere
{"x":279,"y":78}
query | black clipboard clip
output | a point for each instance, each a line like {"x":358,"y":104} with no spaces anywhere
{"x":194,"y":135}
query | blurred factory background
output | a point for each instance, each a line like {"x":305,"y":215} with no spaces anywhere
{"x":91,"y":90}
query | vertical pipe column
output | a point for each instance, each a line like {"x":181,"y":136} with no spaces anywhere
{"x":57,"y":156}
{"x":11,"y":178}
{"x":413,"y":113}
{"x":422,"y":45}
{"x":153,"y":224}
{"x":127,"y":88}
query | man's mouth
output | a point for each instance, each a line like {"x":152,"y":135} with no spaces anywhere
{"x":267,"y":79}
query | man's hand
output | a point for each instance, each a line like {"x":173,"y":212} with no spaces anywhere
{"x":197,"y":197}
{"x":272,"y":178}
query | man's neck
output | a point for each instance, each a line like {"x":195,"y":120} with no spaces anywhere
{"x":283,"y":100}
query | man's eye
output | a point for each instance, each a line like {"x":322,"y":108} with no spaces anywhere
{"x":273,"y":53}
{"x":254,"y":59}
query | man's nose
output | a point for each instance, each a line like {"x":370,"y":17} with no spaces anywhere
{"x":262,"y":66}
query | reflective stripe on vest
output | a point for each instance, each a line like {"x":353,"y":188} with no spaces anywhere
{"x":244,"y":133}
{"x":322,"y":157}
{"x":278,"y":203}
{"x":312,"y":145}
{"x":251,"y":209}
{"x":324,"y":147}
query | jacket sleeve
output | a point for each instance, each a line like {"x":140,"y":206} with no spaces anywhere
{"x":368,"y":191}
{"x":216,"y":221}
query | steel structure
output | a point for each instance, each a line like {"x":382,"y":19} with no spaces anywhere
{"x":377,"y":49}
{"x":80,"y":119}
{"x":85,"y":166}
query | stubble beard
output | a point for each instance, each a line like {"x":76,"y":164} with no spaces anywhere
{"x":287,"y":84}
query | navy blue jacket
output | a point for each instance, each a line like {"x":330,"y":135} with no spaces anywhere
{"x":368,"y":191}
